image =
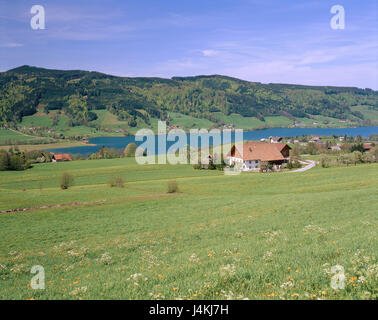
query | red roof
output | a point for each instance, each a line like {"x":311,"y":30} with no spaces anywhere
{"x":62,"y":157}
{"x":367,"y":146}
{"x":260,"y":151}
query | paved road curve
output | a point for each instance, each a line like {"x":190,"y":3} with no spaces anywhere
{"x":309,"y":165}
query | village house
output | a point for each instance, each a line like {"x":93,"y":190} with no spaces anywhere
{"x":367,"y":147}
{"x":335,"y":148}
{"x":255,"y":152}
{"x":275,"y":139}
{"x":316,"y":139}
{"x":61,"y":157}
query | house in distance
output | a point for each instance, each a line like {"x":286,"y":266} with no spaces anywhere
{"x":61,"y":157}
{"x":254,"y":153}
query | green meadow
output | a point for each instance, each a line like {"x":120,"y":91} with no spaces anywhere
{"x":8,"y":135}
{"x":252,"y":236}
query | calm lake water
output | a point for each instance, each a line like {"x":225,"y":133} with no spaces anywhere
{"x":122,"y":142}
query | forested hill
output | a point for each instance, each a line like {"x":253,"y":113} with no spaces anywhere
{"x":80,"y":93}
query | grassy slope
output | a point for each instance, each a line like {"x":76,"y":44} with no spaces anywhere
{"x":223,"y":220}
{"x":368,"y":113}
{"x":11,"y":135}
{"x":110,"y":121}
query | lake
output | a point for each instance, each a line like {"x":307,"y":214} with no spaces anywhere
{"x":122,"y":142}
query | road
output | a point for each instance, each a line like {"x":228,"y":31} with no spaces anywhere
{"x":309,"y":164}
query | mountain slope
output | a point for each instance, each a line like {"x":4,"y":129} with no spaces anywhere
{"x":78,"y":94}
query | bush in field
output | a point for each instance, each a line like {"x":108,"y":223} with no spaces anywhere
{"x":374,"y":152}
{"x":173,"y":186}
{"x":66,"y":181}
{"x":294,"y":165}
{"x":357,"y":157}
{"x":357,"y":147}
{"x":324,"y":161}
{"x":4,"y":161}
{"x":130,"y":150}
{"x":117,"y":182}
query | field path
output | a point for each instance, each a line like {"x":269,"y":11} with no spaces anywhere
{"x":24,"y":134}
{"x":76,"y":203}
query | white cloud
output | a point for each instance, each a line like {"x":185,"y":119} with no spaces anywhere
{"x":11,"y":45}
{"x":209,"y":53}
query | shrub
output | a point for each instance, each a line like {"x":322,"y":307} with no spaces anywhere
{"x":173,"y":186}
{"x":66,"y":181}
{"x":294,"y":165}
{"x":324,"y":161}
{"x":130,"y":150}
{"x":4,"y":161}
{"x":117,"y":182}
{"x":357,"y":147}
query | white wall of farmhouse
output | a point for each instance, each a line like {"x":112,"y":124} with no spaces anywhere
{"x":246,"y":164}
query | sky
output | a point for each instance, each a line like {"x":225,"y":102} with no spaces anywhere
{"x":268,"y":41}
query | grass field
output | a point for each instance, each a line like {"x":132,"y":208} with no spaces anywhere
{"x":256,"y":236}
{"x":8,"y":135}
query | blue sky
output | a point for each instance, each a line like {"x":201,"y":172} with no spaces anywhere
{"x":267,"y":41}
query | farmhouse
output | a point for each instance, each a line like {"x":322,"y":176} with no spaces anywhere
{"x":61,"y":157}
{"x":256,"y":152}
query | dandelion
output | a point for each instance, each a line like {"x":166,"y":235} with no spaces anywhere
{"x":160,"y":276}
{"x":174,"y":289}
{"x":324,"y":293}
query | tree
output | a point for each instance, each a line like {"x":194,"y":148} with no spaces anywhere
{"x":357,"y":147}
{"x":173,"y":186}
{"x":66,"y":181}
{"x":78,"y":109}
{"x":324,"y":161}
{"x":130,"y":150}
{"x":4,"y":161}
